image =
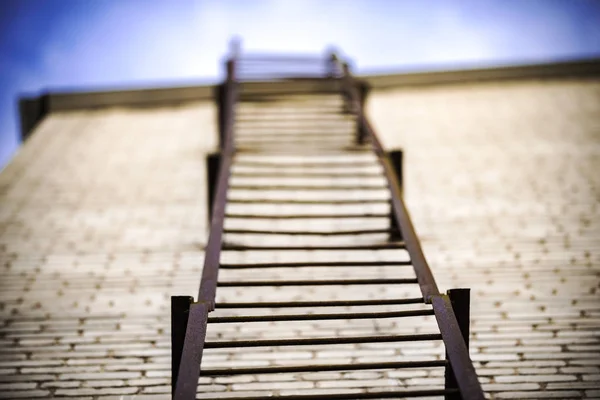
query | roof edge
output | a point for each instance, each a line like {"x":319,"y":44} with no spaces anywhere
{"x":563,"y":69}
{"x":33,"y":109}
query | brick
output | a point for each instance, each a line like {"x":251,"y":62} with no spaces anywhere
{"x":30,"y":363}
{"x":399,"y":373}
{"x":26,"y":394}
{"x":60,"y":384}
{"x":580,"y":370}
{"x":430,"y":381}
{"x":271,"y":386}
{"x":536,"y":371}
{"x":535,"y":378}
{"x":538,"y":395}
{"x":573,"y":385}
{"x":96,"y":391}
{"x":28,"y":378}
{"x":357,"y":383}
{"x":100,"y":375}
{"x":500,"y":387}
{"x":316,"y":376}
{"x":104,"y":383}
{"x":124,"y":363}
{"x":225,"y":395}
{"x":7,"y":371}
{"x":17,"y":386}
{"x":149,"y":381}
{"x":565,"y":356}
{"x":157,"y":389}
{"x":159,"y":374}
{"x":591,"y":377}
{"x":61,"y":369}
{"x":361,"y":375}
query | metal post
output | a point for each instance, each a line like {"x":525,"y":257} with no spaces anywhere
{"x":230,"y":70}
{"x":396,"y":158}
{"x":353,"y":103}
{"x":363,"y":91}
{"x":226,"y":105}
{"x":330,"y":63}
{"x":345,"y":91}
{"x":180,"y":308}
{"x":213,"y":162}
{"x":460,"y":301}
{"x":219,"y":93}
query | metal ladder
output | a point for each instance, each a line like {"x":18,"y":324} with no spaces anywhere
{"x":311,"y":249}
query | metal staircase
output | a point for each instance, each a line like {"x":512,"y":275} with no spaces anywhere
{"x":313,"y":268}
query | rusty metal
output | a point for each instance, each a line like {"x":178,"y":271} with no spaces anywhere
{"x":308,"y":174}
{"x":319,"y":317}
{"x":394,"y":394}
{"x":305,"y":216}
{"x":266,"y":187}
{"x":308,"y":201}
{"x":456,"y":349}
{"x":362,"y":247}
{"x":213,"y":162}
{"x":322,"y":341}
{"x":461,"y":380}
{"x":266,"y":67}
{"x":460,"y":300}
{"x":180,"y":308}
{"x":307,"y":233}
{"x":396,"y":158}
{"x":325,"y":264}
{"x":186,"y":382}
{"x":314,"y":304}
{"x":318,"y":282}
{"x":305,"y":164}
{"x":324,"y":368}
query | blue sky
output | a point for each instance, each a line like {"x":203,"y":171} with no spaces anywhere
{"x":95,"y":44}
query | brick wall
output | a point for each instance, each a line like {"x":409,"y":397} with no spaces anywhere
{"x":102,"y":218}
{"x":502,"y":182}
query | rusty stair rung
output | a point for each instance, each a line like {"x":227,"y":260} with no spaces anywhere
{"x":323,"y":341}
{"x":332,"y":303}
{"x":309,"y":201}
{"x":358,"y":247}
{"x":261,"y":187}
{"x":308,"y":233}
{"x":305,"y":164}
{"x":325,"y":264}
{"x":318,"y":282}
{"x":322,"y":368}
{"x":266,"y":136}
{"x":301,"y":150}
{"x":319,"y":317}
{"x":289,"y":174}
{"x":393,"y":394}
{"x":306,"y":216}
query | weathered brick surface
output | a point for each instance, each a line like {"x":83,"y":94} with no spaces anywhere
{"x":502,"y":184}
{"x":102,"y":218}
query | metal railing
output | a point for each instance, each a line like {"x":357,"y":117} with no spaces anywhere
{"x":190,"y":319}
{"x":267,"y":67}
{"x":452,"y":309}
